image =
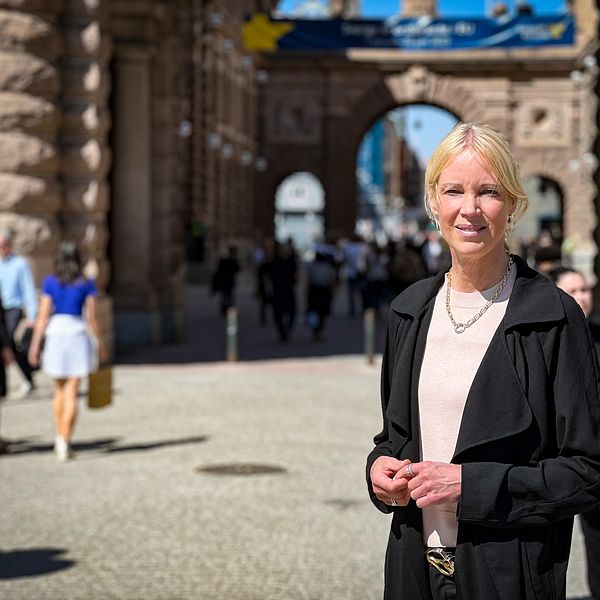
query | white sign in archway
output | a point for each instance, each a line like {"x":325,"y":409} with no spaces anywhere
{"x":299,"y":205}
{"x":300,"y":192}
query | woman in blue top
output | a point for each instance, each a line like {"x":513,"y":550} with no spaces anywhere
{"x":68,"y":352}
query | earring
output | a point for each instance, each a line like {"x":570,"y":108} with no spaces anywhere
{"x":509,"y":226}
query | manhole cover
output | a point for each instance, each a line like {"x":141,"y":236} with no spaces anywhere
{"x":240,"y":469}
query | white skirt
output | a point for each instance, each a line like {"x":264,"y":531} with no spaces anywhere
{"x":68,"y":350}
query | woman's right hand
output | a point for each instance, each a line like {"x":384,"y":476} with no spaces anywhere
{"x":388,"y":481}
{"x":33,"y":356}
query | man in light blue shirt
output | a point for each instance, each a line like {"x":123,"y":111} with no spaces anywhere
{"x":19,"y":299}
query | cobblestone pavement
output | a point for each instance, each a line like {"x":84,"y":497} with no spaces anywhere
{"x":132,"y":517}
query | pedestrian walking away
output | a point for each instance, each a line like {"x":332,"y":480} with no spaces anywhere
{"x":68,"y":353}
{"x":490,"y":397}
{"x":6,"y":357}
{"x":354,"y":253}
{"x":264,"y":285}
{"x":224,"y":279}
{"x":19,"y":299}
{"x":321,"y":277}
{"x":283,"y":274}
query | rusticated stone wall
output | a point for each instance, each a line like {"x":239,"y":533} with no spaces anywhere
{"x":54,"y":123}
{"x":30,"y":127}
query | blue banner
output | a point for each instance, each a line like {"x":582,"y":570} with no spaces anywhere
{"x":263,"y":33}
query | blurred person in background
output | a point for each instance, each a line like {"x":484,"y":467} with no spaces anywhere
{"x":264,"y":286}
{"x":376,"y":276}
{"x":284,"y":274}
{"x":223,"y":281}
{"x":68,"y":353}
{"x":405,"y":266}
{"x":321,"y":277}
{"x":19,"y":299}
{"x":6,"y":356}
{"x":546,"y":254}
{"x":490,"y":401}
{"x":434,"y":252}
{"x":354,"y":271}
{"x":573,"y":283}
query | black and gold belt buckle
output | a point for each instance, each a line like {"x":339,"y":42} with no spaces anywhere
{"x":441,"y":559}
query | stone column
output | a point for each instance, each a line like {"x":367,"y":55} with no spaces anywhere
{"x":84,"y":138}
{"x":137,"y":315}
{"x":168,"y":164}
{"x":149,"y":198}
{"x":30,"y":119}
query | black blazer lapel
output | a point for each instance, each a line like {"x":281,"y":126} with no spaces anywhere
{"x":405,"y":381}
{"x":496,"y":406}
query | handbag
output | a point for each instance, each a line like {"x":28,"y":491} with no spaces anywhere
{"x":23,"y":337}
{"x":100,"y":387}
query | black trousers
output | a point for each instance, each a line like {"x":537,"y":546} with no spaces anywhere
{"x":442,"y":586}
{"x":12,"y":316}
{"x":590,"y":524}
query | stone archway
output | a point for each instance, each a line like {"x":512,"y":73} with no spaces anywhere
{"x":542,"y":99}
{"x":417,"y":85}
{"x":575,"y":179}
{"x":544,"y":213}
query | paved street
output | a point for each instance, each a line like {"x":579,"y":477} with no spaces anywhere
{"x":133,"y":517}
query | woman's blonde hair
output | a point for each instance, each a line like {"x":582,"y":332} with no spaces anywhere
{"x":493,"y":148}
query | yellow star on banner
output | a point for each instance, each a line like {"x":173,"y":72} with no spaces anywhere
{"x":261,"y":34}
{"x":556,"y":30}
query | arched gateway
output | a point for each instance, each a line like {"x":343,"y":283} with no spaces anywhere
{"x":316,"y":106}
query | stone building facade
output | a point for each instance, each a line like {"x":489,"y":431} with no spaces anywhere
{"x":121,"y":121}
{"x":54,"y":128}
{"x":124,"y":121}
{"x":316,"y":109}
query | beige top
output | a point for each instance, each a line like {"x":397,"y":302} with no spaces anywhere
{"x":450,"y":363}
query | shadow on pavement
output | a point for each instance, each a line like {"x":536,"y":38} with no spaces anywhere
{"x":29,"y":563}
{"x":103,"y":446}
{"x":206,"y":336}
{"x":154,"y":445}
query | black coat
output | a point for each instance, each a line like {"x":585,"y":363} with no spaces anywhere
{"x":529,"y":444}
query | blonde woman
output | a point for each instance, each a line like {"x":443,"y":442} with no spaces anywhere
{"x":491,"y":406}
{"x":68,"y":349}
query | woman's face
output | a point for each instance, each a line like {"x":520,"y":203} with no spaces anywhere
{"x":471,"y":207}
{"x":575,"y":285}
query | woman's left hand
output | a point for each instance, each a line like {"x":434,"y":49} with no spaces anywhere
{"x":433,"y":482}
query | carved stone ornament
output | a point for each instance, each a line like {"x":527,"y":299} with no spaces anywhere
{"x":416,"y":81}
{"x":295,"y":120}
{"x":543,"y":124}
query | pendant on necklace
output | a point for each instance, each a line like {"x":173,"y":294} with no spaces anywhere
{"x":459,"y":327}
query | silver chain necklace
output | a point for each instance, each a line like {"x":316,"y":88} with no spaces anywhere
{"x":460,"y":327}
